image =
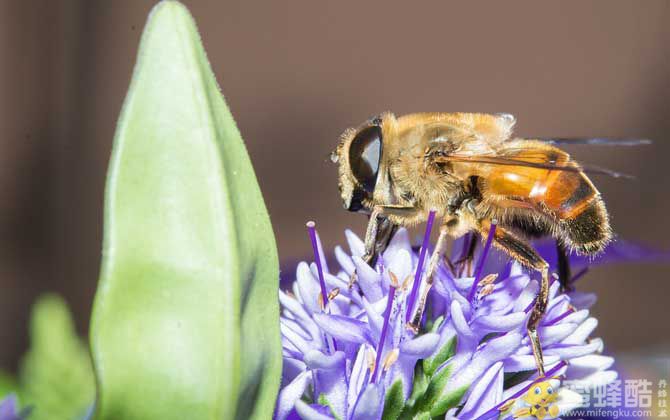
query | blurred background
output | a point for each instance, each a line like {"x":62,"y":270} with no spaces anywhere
{"x":296,"y":74}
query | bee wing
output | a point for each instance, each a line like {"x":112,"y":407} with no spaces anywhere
{"x":530,"y":163}
{"x":594,"y":141}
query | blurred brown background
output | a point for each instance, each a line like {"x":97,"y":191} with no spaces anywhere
{"x":295,"y":75}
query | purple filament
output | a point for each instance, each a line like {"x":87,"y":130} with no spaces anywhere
{"x":419,"y":267}
{"x":495,"y":411}
{"x":332,"y":344}
{"x":578,"y":276}
{"x":482,"y":260}
{"x":382,"y":338}
{"x":317,"y":258}
{"x":560,"y":317}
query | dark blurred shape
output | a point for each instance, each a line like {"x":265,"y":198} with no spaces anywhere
{"x":296,"y":74}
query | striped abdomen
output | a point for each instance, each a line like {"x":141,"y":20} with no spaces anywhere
{"x":566,"y":199}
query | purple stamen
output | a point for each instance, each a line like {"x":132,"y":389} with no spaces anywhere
{"x":530,"y":306}
{"x":482,"y":260}
{"x":317,"y":258}
{"x":419,"y":267}
{"x":380,"y":347}
{"x":578,"y":276}
{"x":560,"y":317}
{"x":311,"y":228}
{"x":495,"y":411}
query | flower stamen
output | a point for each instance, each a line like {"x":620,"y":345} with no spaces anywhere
{"x":482,"y":260}
{"x":387,"y":316}
{"x":419,"y":267}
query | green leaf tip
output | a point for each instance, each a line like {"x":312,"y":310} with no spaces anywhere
{"x":55,"y":378}
{"x":186,"y":319}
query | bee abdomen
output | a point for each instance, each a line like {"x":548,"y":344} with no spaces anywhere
{"x":587,"y":229}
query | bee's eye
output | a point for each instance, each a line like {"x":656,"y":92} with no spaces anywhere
{"x":364,"y":154}
{"x":537,"y":390}
{"x":550,"y":390}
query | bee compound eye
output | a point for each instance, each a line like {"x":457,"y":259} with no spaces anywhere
{"x":364,"y":155}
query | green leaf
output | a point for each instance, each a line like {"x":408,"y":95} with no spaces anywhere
{"x":419,"y":384}
{"x":323,"y":400}
{"x":447,"y":400}
{"x":7,"y":384}
{"x":56,"y":377}
{"x":431,"y":364}
{"x":186,"y":319}
{"x":394,"y":401}
{"x":437,"y":383}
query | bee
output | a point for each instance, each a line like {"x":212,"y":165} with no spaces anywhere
{"x":470,"y":170}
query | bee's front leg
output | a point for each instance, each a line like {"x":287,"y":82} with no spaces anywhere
{"x":379,"y":233}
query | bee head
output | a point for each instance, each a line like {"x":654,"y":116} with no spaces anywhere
{"x":359,"y":155}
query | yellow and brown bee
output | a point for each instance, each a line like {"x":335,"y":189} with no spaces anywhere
{"x":470,"y":170}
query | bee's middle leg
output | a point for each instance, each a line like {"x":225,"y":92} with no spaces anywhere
{"x":521,"y":251}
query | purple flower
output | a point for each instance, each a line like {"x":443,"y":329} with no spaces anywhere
{"x":9,"y":408}
{"x":349,"y":355}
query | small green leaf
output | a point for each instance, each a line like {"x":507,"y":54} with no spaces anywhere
{"x":8,"y":384}
{"x":186,"y":319}
{"x":323,"y":400}
{"x":56,"y":377}
{"x":435,"y":387}
{"x":447,"y":400}
{"x":419,"y":384}
{"x":394,"y":402}
{"x":431,"y":364}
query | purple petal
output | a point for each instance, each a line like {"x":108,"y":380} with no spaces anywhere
{"x":343,"y":328}
{"x":307,"y":412}
{"x":370,"y":404}
{"x":524,"y":362}
{"x":486,"y":393}
{"x":583,"y":332}
{"x":344,"y":260}
{"x":568,"y":351}
{"x":555,"y":333}
{"x":500,"y":323}
{"x":356,"y":246}
{"x":308,"y":288}
{"x":289,"y":395}
{"x":399,"y":242}
{"x":420,"y":347}
{"x":359,"y":375}
{"x":581,"y":300}
{"x":314,"y":359}
{"x":369,"y":280}
{"x":494,"y":351}
{"x":580,"y":367}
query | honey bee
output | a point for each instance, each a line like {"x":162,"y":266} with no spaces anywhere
{"x":470,"y":170}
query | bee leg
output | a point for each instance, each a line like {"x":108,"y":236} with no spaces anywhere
{"x":379,"y":233}
{"x":564,"y":273}
{"x":518,"y":249}
{"x":438,"y":254}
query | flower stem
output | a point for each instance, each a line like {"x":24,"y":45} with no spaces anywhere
{"x":482,"y":260}
{"x":419,"y":267}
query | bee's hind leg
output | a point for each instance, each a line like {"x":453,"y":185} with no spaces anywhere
{"x":521,"y":251}
{"x":564,"y":272}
